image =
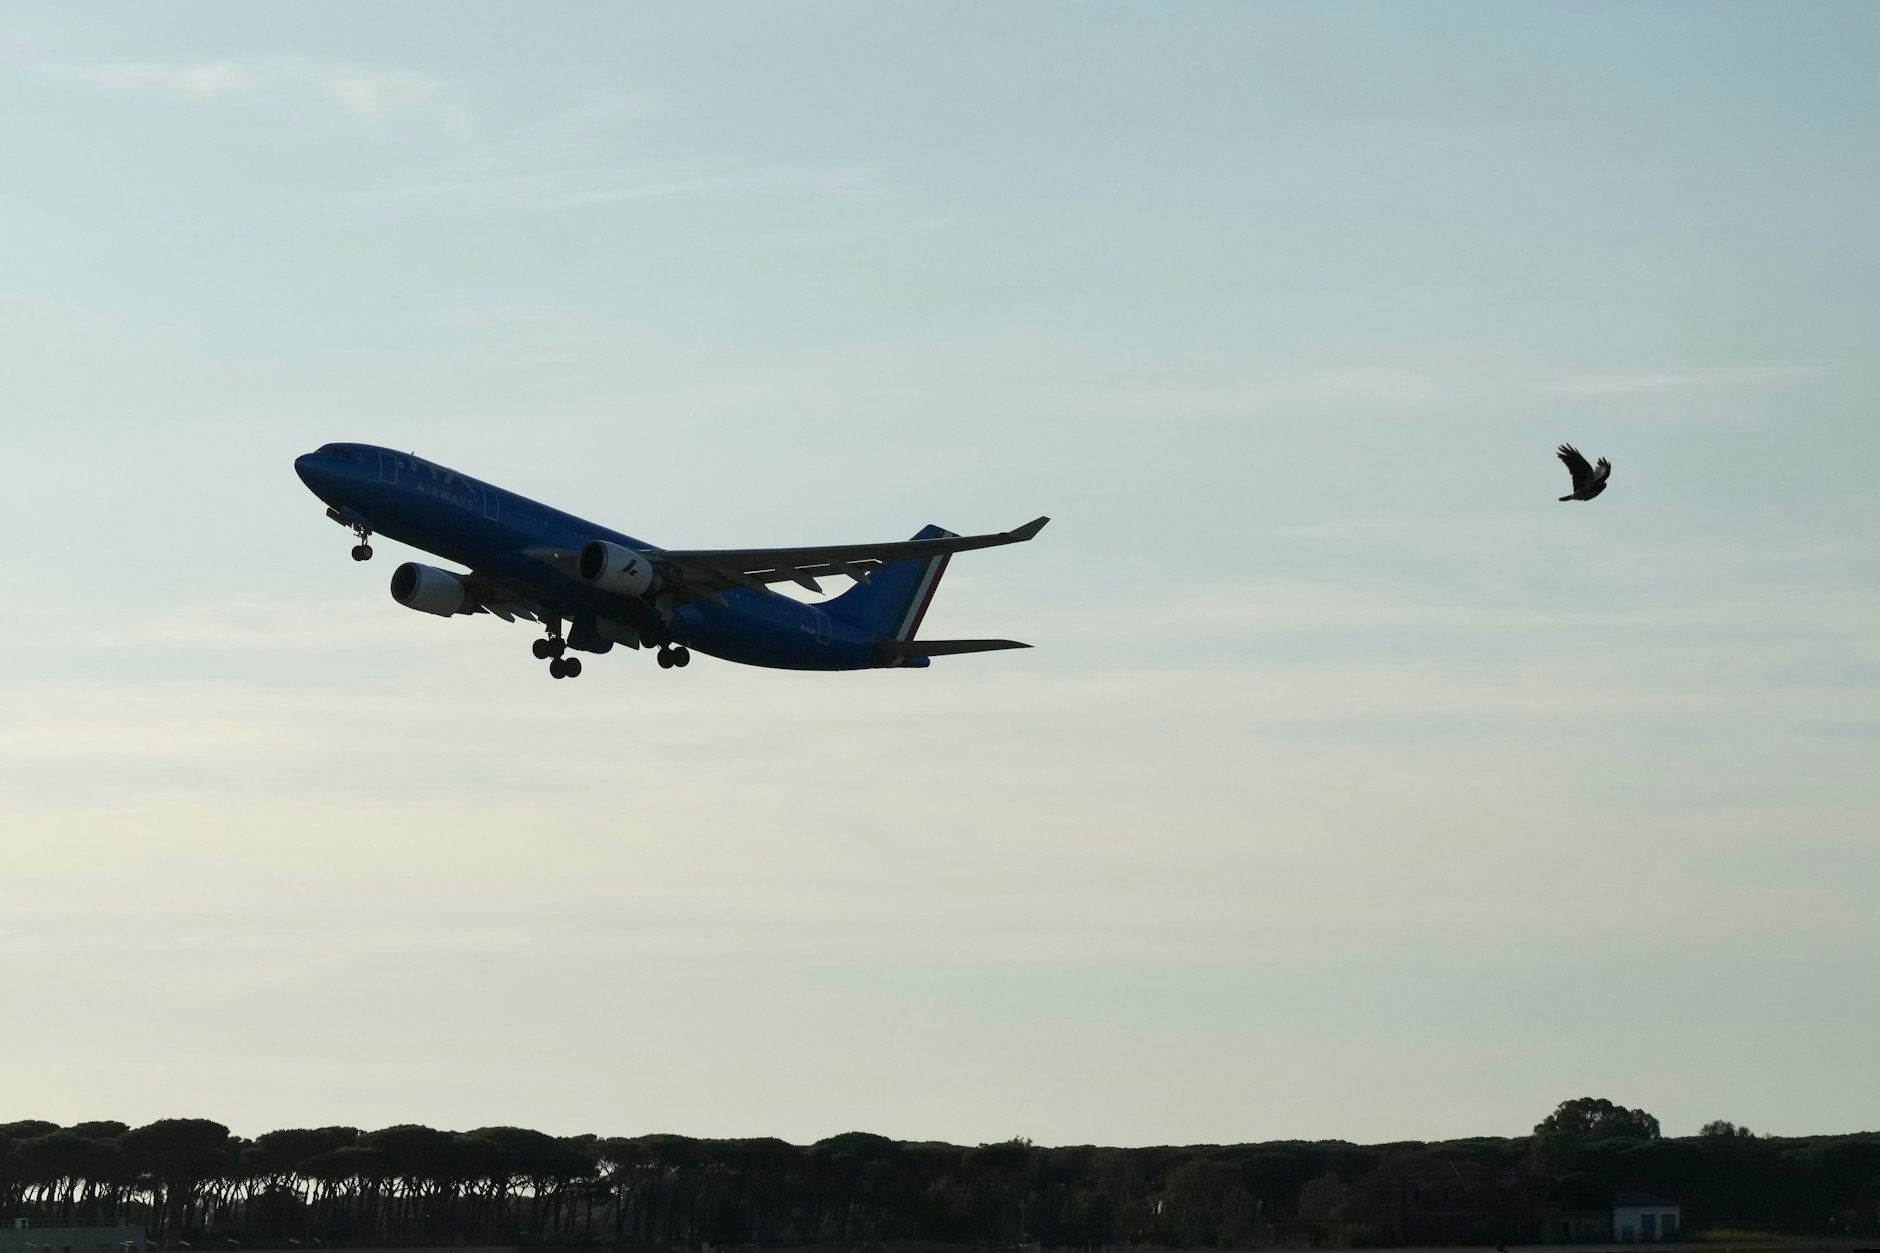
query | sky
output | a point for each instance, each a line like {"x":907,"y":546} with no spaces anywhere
{"x":1355,"y":788}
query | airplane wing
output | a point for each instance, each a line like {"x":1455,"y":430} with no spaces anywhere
{"x":502,"y":597}
{"x":707,"y":571}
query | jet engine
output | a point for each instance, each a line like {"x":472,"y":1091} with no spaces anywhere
{"x":612,"y":568}
{"x":429,"y":589}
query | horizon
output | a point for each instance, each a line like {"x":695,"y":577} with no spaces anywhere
{"x":1019,"y":1138}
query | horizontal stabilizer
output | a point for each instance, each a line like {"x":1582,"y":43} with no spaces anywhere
{"x":941,"y":648}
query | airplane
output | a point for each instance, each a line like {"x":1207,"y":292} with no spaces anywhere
{"x":529,"y":561}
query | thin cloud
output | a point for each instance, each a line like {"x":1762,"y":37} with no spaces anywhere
{"x":588,"y":156}
{"x":243,"y":624}
{"x":549,"y":190}
{"x":373,"y":94}
{"x":1636,"y":384}
{"x":1356,"y":388}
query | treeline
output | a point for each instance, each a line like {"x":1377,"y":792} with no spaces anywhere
{"x":190,"y":1180}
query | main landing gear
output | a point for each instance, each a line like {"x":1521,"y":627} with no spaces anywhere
{"x":552,"y":650}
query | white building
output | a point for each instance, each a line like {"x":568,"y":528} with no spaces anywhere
{"x":1639,"y":1219}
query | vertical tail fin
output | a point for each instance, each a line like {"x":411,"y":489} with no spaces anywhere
{"x":895,"y":598}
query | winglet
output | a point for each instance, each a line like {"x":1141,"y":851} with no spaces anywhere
{"x":1025,"y":532}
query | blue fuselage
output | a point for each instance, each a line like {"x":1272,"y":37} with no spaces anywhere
{"x":492,"y":532}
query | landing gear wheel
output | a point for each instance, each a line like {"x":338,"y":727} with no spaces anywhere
{"x":542,"y":649}
{"x":362,"y":552}
{"x":570,"y":666}
{"x":665,"y":659}
{"x":682,"y":656}
{"x":558,"y":669}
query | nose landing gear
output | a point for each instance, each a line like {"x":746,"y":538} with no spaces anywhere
{"x":362,"y":551}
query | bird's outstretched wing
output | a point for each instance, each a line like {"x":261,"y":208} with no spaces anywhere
{"x":1603,"y":470}
{"x":1576,"y":466}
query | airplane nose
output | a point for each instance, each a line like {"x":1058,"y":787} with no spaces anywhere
{"x":314,"y":471}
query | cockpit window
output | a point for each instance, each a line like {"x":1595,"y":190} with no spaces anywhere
{"x":337,"y":450}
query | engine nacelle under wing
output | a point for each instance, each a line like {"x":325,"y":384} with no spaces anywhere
{"x":616,"y":569}
{"x":430,"y":590}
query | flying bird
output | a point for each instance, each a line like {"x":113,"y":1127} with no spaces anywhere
{"x":1588,"y":481}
